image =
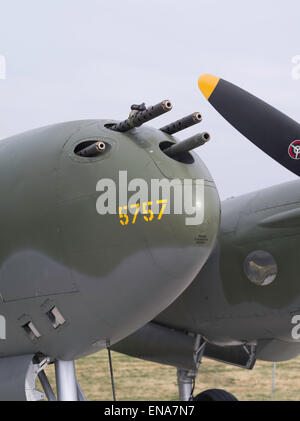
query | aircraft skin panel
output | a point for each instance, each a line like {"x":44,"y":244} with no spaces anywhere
{"x":221,"y":303}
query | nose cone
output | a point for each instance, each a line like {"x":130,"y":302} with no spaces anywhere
{"x":131,"y":264}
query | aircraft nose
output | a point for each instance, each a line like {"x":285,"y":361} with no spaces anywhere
{"x":106,"y":273}
{"x":129,"y":264}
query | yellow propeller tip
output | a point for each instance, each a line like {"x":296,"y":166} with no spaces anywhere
{"x":207,"y":84}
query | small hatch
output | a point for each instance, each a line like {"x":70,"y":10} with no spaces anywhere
{"x":31,"y":331}
{"x":55,"y":317}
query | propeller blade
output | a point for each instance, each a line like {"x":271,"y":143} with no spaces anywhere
{"x":269,"y":129}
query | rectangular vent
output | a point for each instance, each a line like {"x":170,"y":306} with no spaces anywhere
{"x":31,"y":331}
{"x":55,"y":317}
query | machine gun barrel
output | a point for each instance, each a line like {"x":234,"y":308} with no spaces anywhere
{"x":92,"y":150}
{"x":187,"y":144}
{"x":140,"y":117}
{"x":182,"y":124}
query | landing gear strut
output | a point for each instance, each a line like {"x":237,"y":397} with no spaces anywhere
{"x":186,"y":381}
{"x":66,"y":383}
{"x":186,"y":384}
{"x":187,"y":378}
{"x":68,"y":388}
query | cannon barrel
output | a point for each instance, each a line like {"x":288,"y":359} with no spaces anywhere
{"x":187,"y":144}
{"x":183,"y":123}
{"x":92,"y":150}
{"x":140,"y":117}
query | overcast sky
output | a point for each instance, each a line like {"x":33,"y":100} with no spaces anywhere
{"x":82,"y":59}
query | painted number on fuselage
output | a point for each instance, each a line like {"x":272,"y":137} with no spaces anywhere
{"x":143,"y":208}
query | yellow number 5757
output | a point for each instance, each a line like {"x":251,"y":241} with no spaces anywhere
{"x":146,"y":212}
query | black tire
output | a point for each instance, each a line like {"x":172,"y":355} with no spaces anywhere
{"x":215,"y":395}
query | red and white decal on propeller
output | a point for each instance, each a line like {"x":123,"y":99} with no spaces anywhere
{"x":294,"y":149}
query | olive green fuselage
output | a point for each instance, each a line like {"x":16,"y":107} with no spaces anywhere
{"x":105,"y":278}
{"x":222,"y":303}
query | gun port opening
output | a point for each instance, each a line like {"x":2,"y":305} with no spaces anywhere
{"x":109,"y":125}
{"x":91,"y":148}
{"x":183,"y":157}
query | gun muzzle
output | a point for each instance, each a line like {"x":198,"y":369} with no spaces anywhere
{"x":187,"y":144}
{"x":183,"y":123}
{"x":93,"y":150}
{"x":140,"y":117}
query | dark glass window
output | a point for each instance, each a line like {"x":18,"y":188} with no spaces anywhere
{"x":260,"y":267}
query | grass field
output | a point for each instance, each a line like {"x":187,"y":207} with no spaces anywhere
{"x":140,"y":380}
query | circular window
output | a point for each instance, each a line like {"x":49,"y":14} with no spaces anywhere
{"x":260,"y":267}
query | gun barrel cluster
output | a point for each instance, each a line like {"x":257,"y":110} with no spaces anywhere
{"x":140,"y":115}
